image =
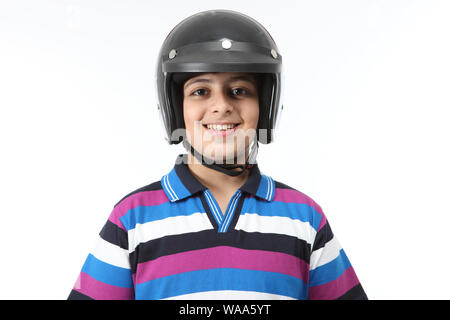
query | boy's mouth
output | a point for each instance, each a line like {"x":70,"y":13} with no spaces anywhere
{"x":221,"y":129}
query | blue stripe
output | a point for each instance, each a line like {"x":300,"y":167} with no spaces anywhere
{"x":263,"y":187}
{"x":222,"y":279}
{"x":107,"y":273}
{"x":330,"y":271}
{"x":298,"y":211}
{"x":266,"y":188}
{"x":143,"y":214}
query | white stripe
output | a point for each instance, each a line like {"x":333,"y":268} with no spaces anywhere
{"x":325,"y":254}
{"x":169,"y":226}
{"x":268,"y":187}
{"x":271,"y":188}
{"x":213,"y":207}
{"x":169,"y":189}
{"x":232,"y":207}
{"x":166,"y":187}
{"x":175,"y":197}
{"x":252,"y":222}
{"x":230,"y":295}
{"x":170,"y":186}
{"x":110,"y":253}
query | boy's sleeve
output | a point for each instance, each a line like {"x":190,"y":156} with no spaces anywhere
{"x":106,"y":273}
{"x":331,"y":275}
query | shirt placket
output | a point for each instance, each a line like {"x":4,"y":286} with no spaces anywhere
{"x":223,"y":220}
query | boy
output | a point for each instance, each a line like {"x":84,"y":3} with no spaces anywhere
{"x":214,"y":227}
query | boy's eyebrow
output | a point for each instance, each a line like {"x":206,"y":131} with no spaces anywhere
{"x":196,"y":81}
{"x":232,"y":79}
{"x":243,"y":78}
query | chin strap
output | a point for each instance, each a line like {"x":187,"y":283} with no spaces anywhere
{"x":227,"y":169}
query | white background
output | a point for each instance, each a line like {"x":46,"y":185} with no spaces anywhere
{"x":364,"y":130}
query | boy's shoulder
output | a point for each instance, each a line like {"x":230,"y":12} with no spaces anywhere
{"x":286,"y":193}
{"x":154,"y":186}
{"x":299,"y":202}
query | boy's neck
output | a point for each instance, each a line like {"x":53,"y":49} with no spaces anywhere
{"x":213,"y":179}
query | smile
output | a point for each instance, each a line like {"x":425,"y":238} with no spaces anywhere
{"x":221,"y":129}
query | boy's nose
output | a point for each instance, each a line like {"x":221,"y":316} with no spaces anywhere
{"x":221,"y":104}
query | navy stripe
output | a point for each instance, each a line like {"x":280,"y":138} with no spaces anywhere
{"x":355,"y":293}
{"x":185,"y":176}
{"x":75,"y":295}
{"x":280,"y":185}
{"x":253,"y":182}
{"x":115,"y":235}
{"x":323,"y":236}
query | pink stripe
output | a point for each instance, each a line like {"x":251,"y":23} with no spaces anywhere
{"x":336,"y":288}
{"x":101,"y":291}
{"x":222,"y":257}
{"x":145,"y":198}
{"x":295,"y":196}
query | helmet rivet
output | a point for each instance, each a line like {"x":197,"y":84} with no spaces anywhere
{"x":172,"y":53}
{"x":226,"y":44}
{"x":273,"y":53}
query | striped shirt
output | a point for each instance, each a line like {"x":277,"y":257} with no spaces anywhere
{"x":170,"y":240}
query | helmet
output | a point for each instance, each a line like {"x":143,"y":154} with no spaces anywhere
{"x":218,"y":41}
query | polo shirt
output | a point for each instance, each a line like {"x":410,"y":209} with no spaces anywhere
{"x":170,"y":240}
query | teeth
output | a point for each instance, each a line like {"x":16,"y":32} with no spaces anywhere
{"x":220,"y":126}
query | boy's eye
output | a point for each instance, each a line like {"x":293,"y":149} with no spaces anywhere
{"x":239,"y":90}
{"x":198,"y":90}
{"x":234,"y":92}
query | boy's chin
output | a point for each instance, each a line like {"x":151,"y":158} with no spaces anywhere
{"x":223,"y":154}
{"x":223,"y":157}
{"x":226,"y":158}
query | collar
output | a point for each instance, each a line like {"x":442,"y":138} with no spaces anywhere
{"x":179,"y":183}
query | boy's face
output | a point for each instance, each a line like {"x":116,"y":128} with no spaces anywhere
{"x":221,"y":113}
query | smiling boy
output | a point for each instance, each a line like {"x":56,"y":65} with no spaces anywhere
{"x":220,"y":109}
{"x":215,"y":227}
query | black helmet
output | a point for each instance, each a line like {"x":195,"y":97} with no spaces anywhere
{"x":218,"y":41}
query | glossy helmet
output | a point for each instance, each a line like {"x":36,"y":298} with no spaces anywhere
{"x":218,"y":41}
